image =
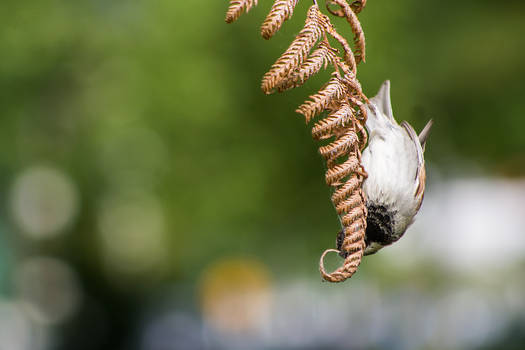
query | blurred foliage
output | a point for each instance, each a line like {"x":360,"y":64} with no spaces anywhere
{"x":78,"y":78}
{"x":162,"y":97}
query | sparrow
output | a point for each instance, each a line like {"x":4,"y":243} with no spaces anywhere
{"x":395,"y":165}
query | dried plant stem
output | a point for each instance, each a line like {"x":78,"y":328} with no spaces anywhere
{"x":351,"y":17}
{"x":343,"y":100}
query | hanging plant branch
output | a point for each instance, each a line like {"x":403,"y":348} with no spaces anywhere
{"x":341,"y":98}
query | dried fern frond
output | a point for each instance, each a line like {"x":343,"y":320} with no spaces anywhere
{"x":349,"y":202}
{"x":355,"y":214}
{"x":339,"y":147}
{"x":333,"y":90}
{"x":351,"y":17}
{"x":323,"y":55}
{"x":350,"y":242}
{"x":338,"y":119}
{"x":346,"y":190}
{"x":348,"y":54}
{"x":296,"y":54}
{"x":335,"y":173}
{"x":236,"y":9}
{"x":361,"y":134}
{"x":343,"y":99}
{"x":350,"y":206}
{"x":280,"y":12}
{"x":346,"y":176}
{"x":350,"y":80}
{"x":358,"y":5}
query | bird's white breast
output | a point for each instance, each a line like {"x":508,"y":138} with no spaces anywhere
{"x":391,"y":162}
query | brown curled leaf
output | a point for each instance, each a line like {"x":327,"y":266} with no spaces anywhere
{"x":333,"y":90}
{"x":318,"y":59}
{"x":280,"y":12}
{"x":237,"y":8}
{"x":296,"y":53}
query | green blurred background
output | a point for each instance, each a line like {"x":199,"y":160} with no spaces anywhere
{"x":154,"y":198}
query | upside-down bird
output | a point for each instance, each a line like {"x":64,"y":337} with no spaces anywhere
{"x":395,"y":166}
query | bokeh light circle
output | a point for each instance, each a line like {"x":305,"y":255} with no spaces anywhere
{"x":236,"y":296}
{"x":48,"y":288}
{"x":132,"y":233}
{"x":44,"y":201}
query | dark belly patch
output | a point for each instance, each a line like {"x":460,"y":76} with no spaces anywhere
{"x":379,"y":228}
